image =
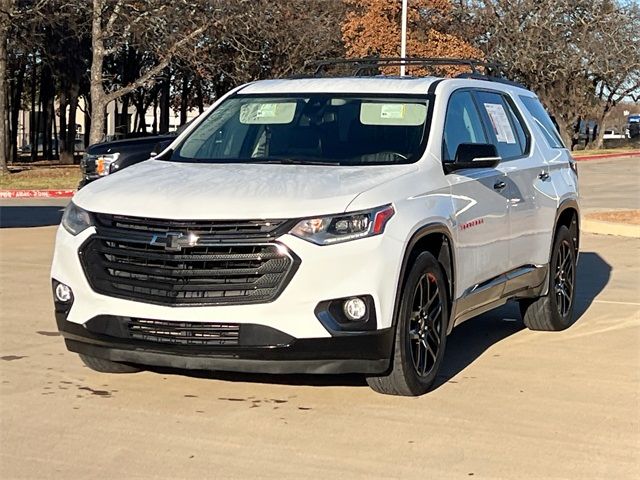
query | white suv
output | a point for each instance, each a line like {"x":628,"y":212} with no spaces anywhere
{"x":324,"y":225}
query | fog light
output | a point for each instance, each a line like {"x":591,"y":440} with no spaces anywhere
{"x":63,"y":293}
{"x":354,"y":308}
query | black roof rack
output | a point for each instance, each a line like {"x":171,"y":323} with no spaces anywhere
{"x":366,"y":66}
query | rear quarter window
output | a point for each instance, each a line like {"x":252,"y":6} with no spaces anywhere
{"x":542,"y":118}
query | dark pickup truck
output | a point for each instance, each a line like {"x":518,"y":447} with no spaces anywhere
{"x":104,"y":158}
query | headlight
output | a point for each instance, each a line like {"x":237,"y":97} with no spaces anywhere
{"x":344,"y":227}
{"x":104,"y":161}
{"x":75,"y":219}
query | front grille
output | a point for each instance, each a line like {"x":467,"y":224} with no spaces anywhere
{"x":183,"y":333}
{"x":125,"y":264}
{"x":207,"y":230}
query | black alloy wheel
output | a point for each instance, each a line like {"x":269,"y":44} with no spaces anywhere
{"x":564,"y":279}
{"x":425,"y":325}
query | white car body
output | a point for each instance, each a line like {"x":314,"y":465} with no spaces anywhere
{"x":499,"y":240}
{"x":612,"y":135}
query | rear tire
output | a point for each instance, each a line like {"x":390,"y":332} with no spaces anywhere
{"x":421,"y":332}
{"x":107,"y":366}
{"x":554,"y":311}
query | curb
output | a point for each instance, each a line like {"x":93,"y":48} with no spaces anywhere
{"x":598,"y":156}
{"x":37,"y":193}
{"x":609,"y":228}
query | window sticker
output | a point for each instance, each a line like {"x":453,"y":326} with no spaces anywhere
{"x":267,"y":113}
{"x":500,"y":122}
{"x":393,"y":114}
{"x":393,"y":110}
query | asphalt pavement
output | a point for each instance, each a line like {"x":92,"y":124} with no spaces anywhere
{"x":509,"y":402}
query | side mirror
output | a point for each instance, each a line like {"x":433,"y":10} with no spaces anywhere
{"x":474,"y":155}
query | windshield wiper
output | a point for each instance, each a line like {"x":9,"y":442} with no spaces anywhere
{"x":289,"y":161}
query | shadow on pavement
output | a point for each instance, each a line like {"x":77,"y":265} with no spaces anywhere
{"x":466,"y":343}
{"x":594,"y":274}
{"x":471,"y":339}
{"x":30,"y":216}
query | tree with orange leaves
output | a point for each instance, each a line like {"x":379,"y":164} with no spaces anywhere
{"x":373,"y":28}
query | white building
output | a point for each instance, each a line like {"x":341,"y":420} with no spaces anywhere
{"x":24,"y":123}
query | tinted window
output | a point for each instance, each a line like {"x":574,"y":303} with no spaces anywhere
{"x":310,"y":128}
{"x":462,"y":124}
{"x":505,"y":131}
{"x":543,"y":120}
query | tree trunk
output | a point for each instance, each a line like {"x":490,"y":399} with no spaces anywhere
{"x":155,"y":114}
{"x":47,"y":90}
{"x":164,"y":105}
{"x":87,"y":121}
{"x":56,"y":146}
{"x":608,"y":108}
{"x":4,"y":32}
{"x":33,"y":124}
{"x":199,"y":98}
{"x":16,"y":98}
{"x":565,"y":130}
{"x":140,"y":120}
{"x":98,"y":95}
{"x":62,"y":113}
{"x":184,"y":97}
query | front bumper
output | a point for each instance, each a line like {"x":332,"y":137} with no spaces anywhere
{"x":291,"y":339}
{"x":260,"y":350}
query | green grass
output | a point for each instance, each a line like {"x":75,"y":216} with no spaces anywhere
{"x":41,"y":178}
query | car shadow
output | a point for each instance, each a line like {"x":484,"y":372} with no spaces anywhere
{"x":594,"y":274}
{"x":466,"y":344}
{"x":472,"y":338}
{"x":29,"y":216}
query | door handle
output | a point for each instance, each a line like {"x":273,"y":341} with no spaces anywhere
{"x":543,"y":175}
{"x":499,"y":185}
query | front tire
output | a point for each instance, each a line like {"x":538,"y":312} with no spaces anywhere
{"x":107,"y":366}
{"x":421,"y":332}
{"x":554,"y":311}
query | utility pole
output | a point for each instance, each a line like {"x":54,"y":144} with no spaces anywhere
{"x":403,"y":41}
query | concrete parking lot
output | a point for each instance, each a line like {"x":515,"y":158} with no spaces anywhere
{"x":509,"y":403}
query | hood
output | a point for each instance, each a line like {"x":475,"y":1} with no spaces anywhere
{"x":161,"y":189}
{"x":118,"y":145}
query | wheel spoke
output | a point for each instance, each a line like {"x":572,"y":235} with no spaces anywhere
{"x":430,"y":352}
{"x":431,"y":333}
{"x":416,"y":357}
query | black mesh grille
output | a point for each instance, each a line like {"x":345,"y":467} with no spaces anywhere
{"x":123,"y":264}
{"x":184,"y":333}
{"x":221,"y":230}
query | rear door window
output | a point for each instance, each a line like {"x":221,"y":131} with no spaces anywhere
{"x":505,"y":129}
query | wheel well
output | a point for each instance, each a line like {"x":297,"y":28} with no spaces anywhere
{"x":569,"y":218}
{"x":439,"y":245}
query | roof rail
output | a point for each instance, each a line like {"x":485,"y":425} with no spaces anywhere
{"x":362,"y":65}
{"x":479,"y":69}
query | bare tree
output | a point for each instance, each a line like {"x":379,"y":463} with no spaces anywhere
{"x":169,"y":30}
{"x":613,"y":51}
{"x":7,"y":9}
{"x":271,"y":38}
{"x":577,"y":55}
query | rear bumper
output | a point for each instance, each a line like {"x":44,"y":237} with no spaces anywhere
{"x":260,"y":349}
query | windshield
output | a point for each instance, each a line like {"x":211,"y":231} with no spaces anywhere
{"x":310,"y":129}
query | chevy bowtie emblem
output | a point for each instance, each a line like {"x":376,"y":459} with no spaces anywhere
{"x":174,"y":241}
